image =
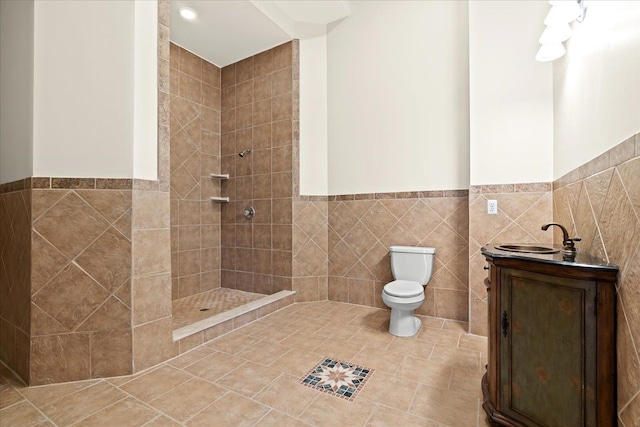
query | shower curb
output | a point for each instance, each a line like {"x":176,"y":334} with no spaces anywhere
{"x":212,"y":321}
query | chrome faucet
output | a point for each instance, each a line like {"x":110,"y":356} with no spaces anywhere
{"x":567,"y":242}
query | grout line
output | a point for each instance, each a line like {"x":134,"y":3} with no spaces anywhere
{"x":401,"y":364}
{"x":451,"y":376}
{"x":40,"y":411}
{"x":69,"y":260}
{"x":134,"y":376}
{"x":263,"y":416}
{"x":110,"y":224}
{"x":413,"y":398}
{"x":153,"y":420}
{"x":624,"y":187}
{"x":93,"y":382}
{"x":18,"y":402}
{"x":138,"y":230}
{"x":634,"y":346}
{"x":99,"y":410}
{"x":52,"y":318}
{"x":458,"y":342}
{"x":148,"y":322}
{"x":433,"y":349}
{"x":313,"y":400}
{"x":160,"y":413}
{"x":597,"y":232}
{"x":373,"y":411}
{"x":33,"y":220}
{"x":70,"y":394}
{"x":228,"y":391}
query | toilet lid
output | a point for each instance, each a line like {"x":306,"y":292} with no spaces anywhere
{"x":403,"y":289}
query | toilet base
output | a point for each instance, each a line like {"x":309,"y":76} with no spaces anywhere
{"x":403,"y":323}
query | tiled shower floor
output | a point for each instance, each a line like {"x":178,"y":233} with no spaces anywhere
{"x":200,"y":306}
{"x":251,"y":377}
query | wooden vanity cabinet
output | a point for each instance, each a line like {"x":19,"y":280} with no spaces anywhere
{"x":552,"y":359}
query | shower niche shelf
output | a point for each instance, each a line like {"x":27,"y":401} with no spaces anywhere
{"x":220,"y":176}
{"x":219,"y":199}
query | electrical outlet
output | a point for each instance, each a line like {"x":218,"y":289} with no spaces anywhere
{"x":492,"y":207}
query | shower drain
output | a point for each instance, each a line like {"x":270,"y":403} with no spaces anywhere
{"x":204,"y":309}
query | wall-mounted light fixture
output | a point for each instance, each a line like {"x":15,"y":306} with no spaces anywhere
{"x":557,"y":31}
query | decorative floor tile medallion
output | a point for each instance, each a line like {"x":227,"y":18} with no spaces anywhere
{"x":340,"y":379}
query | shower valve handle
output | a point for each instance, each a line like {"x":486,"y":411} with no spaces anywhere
{"x":249,"y":212}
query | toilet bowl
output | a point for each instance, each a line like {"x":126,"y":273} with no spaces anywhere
{"x":411,"y":267}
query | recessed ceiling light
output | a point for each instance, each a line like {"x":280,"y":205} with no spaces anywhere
{"x":187,"y":13}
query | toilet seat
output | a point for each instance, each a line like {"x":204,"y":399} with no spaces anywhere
{"x":403,"y":289}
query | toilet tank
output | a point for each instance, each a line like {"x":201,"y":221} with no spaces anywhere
{"x":413,"y":263}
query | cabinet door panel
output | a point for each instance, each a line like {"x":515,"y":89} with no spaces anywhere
{"x":547,"y":370}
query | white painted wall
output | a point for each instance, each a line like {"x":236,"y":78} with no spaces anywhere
{"x":511,"y":94}
{"x":83,"y":88}
{"x":398,"y":106}
{"x":16,"y":87}
{"x":145,"y":119}
{"x":597,"y":84}
{"x":313,"y":116}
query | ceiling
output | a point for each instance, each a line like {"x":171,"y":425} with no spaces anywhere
{"x":225,"y":32}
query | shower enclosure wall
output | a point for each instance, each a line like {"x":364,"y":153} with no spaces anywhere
{"x":239,"y":121}
{"x":195,"y":154}
{"x":257,"y":115}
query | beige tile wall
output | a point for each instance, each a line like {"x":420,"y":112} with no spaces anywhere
{"x":362,"y":227}
{"x":15,"y":273}
{"x":522,"y":210}
{"x":81,"y":279}
{"x":151,"y":268}
{"x":195,"y":154}
{"x":258,"y":114}
{"x":310,"y":264}
{"x":600,"y":202}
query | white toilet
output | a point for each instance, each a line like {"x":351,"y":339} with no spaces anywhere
{"x":411,"y":267}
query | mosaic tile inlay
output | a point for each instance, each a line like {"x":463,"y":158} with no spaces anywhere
{"x":337,"y":378}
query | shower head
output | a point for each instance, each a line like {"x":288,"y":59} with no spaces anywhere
{"x":242,"y":153}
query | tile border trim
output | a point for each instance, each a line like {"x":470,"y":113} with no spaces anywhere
{"x":620,"y":153}
{"x":392,"y":195}
{"x":527,"y":187}
{"x":60,"y":183}
{"x":19,"y":185}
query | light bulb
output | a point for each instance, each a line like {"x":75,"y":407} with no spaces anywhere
{"x":188,"y":14}
{"x":556,"y":34}
{"x":550,"y":52}
{"x":562,"y":12}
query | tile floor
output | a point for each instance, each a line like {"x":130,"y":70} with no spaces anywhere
{"x":251,"y":377}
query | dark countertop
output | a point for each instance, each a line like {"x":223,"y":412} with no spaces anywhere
{"x":582,"y":259}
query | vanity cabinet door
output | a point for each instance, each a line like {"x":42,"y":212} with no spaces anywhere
{"x":547,"y":335}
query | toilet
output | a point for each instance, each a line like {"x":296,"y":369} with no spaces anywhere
{"x":411,"y":267}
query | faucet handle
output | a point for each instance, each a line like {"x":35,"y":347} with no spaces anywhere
{"x":570,"y":243}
